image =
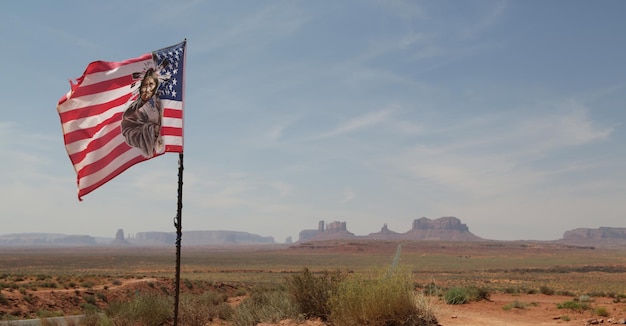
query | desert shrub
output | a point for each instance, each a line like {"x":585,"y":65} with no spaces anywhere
{"x":477,"y":293}
{"x":143,"y":309}
{"x":29,"y":298}
{"x":48,"y":313}
{"x":601,"y":311}
{"x":463,"y":295}
{"x":515,"y":304}
{"x":456,"y":296}
{"x":546,"y":290}
{"x":92,"y":317}
{"x":574,"y":305}
{"x":47,"y":284}
{"x":511,"y":290}
{"x":102,"y":296}
{"x":199,"y":310}
{"x":3,"y":299}
{"x":431,"y":289}
{"x":90,"y":299}
{"x":188,"y":283}
{"x":87,"y":284}
{"x":265,"y":307}
{"x":387,"y":299}
{"x":310,"y":293}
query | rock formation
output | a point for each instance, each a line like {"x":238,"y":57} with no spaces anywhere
{"x":384,"y":234}
{"x":447,"y":228}
{"x":200,"y":238}
{"x":119,"y":239}
{"x":46,"y":239}
{"x":334,"y":230}
{"x":443,"y":229}
{"x":602,"y":233}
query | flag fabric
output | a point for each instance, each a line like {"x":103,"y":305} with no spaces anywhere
{"x":118,"y":114}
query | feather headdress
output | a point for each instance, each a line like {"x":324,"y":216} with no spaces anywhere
{"x":160,"y":72}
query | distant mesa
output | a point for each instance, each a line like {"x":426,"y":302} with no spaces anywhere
{"x":334,"y":230}
{"x":447,"y":228}
{"x":443,"y":229}
{"x":201,"y":238}
{"x":599,"y":236}
{"x":46,"y":239}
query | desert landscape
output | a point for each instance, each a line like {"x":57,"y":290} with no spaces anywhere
{"x":527,"y":283}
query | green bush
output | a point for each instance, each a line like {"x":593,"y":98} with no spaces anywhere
{"x":143,"y":309}
{"x":574,"y":305}
{"x":456,"y":296}
{"x":546,"y":290}
{"x":464,"y":295}
{"x":385,"y":300}
{"x":601,"y":311}
{"x":199,"y":310}
{"x":515,"y":304}
{"x":310,"y":293}
{"x":265,"y":307}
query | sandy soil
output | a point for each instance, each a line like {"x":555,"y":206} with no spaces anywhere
{"x":541,"y":310}
{"x":538,"y":309}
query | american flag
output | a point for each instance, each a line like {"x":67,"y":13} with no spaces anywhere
{"x":92,"y":111}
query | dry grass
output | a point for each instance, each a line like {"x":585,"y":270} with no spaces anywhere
{"x":509,"y":267}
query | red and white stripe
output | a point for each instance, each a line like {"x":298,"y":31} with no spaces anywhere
{"x":91,"y":113}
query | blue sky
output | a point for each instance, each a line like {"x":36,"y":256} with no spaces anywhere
{"x":506,"y":114}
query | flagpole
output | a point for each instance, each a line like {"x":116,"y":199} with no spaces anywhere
{"x":179,"y":233}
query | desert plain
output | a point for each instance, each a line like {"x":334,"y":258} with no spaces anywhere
{"x":528,"y":282}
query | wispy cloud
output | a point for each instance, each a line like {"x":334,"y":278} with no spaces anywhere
{"x":255,"y":29}
{"x":499,"y":163}
{"x":490,"y":17}
{"x":359,"y":122}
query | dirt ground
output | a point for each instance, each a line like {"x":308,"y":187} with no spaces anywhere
{"x":540,"y":310}
{"x":536,"y":309}
{"x":532,"y":309}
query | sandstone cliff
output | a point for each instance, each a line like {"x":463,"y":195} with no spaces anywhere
{"x":334,"y":230}
{"x":601,"y":233}
{"x":443,"y":229}
{"x":447,"y":228}
{"x":199,"y":238}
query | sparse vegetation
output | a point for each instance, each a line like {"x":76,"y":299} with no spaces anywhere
{"x":435,"y":274}
{"x":266,"y":307}
{"x":311,"y":293}
{"x":457,"y":295}
{"x":388,"y":299}
{"x":601,"y":311}
{"x":574,"y":306}
{"x":143,"y":309}
{"x":546,"y":290}
{"x":3,"y":299}
{"x":199,"y":310}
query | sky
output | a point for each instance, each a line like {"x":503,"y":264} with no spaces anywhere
{"x":508,"y":115}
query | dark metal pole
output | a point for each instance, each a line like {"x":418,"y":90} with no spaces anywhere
{"x":179,"y":234}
